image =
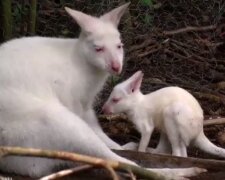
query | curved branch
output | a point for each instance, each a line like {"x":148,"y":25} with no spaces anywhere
{"x":19,"y":151}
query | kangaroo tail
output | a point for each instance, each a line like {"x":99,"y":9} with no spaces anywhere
{"x":204,"y":144}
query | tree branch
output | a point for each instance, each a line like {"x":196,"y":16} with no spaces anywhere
{"x":66,"y":172}
{"x":142,"y":172}
{"x":188,"y":29}
{"x":218,"y":121}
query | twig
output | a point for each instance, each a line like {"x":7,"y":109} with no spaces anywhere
{"x":112,"y":172}
{"x":66,"y":172}
{"x":188,"y":29}
{"x":132,"y":176}
{"x":211,"y":97}
{"x":142,"y":172}
{"x":218,"y":121}
{"x":140,"y":46}
{"x":153,"y":49}
{"x":179,"y":56}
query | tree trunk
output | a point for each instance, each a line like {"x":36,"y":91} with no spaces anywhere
{"x":32,"y":18}
{"x":6,"y":19}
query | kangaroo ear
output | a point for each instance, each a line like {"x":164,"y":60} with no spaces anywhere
{"x":134,"y":82}
{"x":86,"y":22}
{"x":115,"y":15}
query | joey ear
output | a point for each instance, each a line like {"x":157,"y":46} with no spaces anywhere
{"x":86,"y":22}
{"x":134,"y":82}
{"x":115,"y":15}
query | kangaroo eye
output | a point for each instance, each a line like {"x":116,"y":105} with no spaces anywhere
{"x":119,"y":46}
{"x":99,"y":49}
{"x":115,"y":100}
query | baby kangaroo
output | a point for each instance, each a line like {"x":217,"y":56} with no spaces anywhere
{"x":174,"y":111}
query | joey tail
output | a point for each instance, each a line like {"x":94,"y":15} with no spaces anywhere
{"x":205,"y":145}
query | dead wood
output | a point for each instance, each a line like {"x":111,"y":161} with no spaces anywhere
{"x":66,"y":172}
{"x":98,"y":162}
{"x":189,"y":29}
{"x":212,"y":122}
{"x":162,"y":161}
{"x":215,"y":167}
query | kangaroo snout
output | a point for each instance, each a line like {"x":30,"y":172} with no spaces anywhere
{"x":116,"y":67}
{"x":106,"y":109}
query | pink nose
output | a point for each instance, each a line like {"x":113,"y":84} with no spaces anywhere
{"x":106,"y":110}
{"x":115,"y":66}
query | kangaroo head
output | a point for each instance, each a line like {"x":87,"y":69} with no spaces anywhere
{"x":100,"y":40}
{"x":123,"y":94}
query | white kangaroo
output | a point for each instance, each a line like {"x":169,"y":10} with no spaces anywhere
{"x":47,"y":89}
{"x":174,"y":111}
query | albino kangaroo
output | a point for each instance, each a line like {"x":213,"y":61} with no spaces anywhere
{"x":172,"y":110}
{"x":47,"y":89}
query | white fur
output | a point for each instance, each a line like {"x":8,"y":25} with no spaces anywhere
{"x":48,"y":85}
{"x":172,"y":110}
{"x":47,"y":89}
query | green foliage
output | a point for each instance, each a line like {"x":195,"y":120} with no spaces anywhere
{"x":65,"y":32}
{"x":147,"y":19}
{"x":147,"y":2}
{"x":114,"y":80}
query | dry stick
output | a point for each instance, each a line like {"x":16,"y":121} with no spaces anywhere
{"x":145,"y":44}
{"x":188,"y":29}
{"x":142,"y":172}
{"x":132,"y":176}
{"x":154,"y":49}
{"x":66,"y":172}
{"x":218,"y":121}
{"x":113,"y":173}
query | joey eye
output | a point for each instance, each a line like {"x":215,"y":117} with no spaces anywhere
{"x":99,"y":49}
{"x":119,"y":46}
{"x":116,"y":100}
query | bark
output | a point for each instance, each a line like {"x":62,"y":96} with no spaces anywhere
{"x":32,"y":18}
{"x":6,"y":19}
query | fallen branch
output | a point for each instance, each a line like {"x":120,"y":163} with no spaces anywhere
{"x":132,"y":176}
{"x":188,"y":29}
{"x":113,"y":173}
{"x":212,"y":97}
{"x":108,"y":164}
{"x":153,"y":49}
{"x":66,"y":172}
{"x":162,"y":160}
{"x":218,"y":121}
{"x":145,"y":44}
